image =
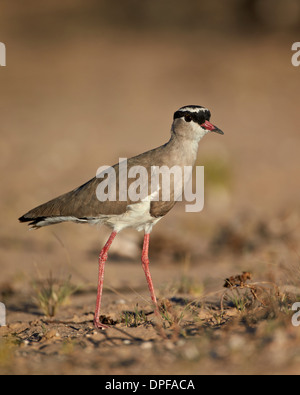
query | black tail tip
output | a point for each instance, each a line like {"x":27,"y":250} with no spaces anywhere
{"x":32,"y":221}
{"x":24,"y":219}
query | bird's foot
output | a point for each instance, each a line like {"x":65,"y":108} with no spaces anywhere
{"x":99,"y":325}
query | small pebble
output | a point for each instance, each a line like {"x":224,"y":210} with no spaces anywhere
{"x":146,"y":345}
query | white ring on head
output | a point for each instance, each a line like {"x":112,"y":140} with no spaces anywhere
{"x":193,"y":109}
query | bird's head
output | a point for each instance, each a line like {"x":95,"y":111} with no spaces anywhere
{"x":193,"y":122}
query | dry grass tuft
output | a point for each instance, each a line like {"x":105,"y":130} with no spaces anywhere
{"x":52,"y":293}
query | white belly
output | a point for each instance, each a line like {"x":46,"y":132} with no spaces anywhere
{"x":137,"y":216}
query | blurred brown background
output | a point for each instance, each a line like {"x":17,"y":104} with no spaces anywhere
{"x":89,"y":81}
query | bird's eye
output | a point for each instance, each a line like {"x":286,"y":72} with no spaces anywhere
{"x":188,"y":118}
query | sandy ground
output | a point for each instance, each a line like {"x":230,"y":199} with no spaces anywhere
{"x":70,"y":106}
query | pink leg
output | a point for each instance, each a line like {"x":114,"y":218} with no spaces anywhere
{"x":145,"y":264}
{"x":102,"y":260}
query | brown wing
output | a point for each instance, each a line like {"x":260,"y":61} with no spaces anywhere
{"x":82,"y":202}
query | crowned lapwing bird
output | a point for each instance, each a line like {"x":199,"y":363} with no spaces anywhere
{"x":118,"y":209}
